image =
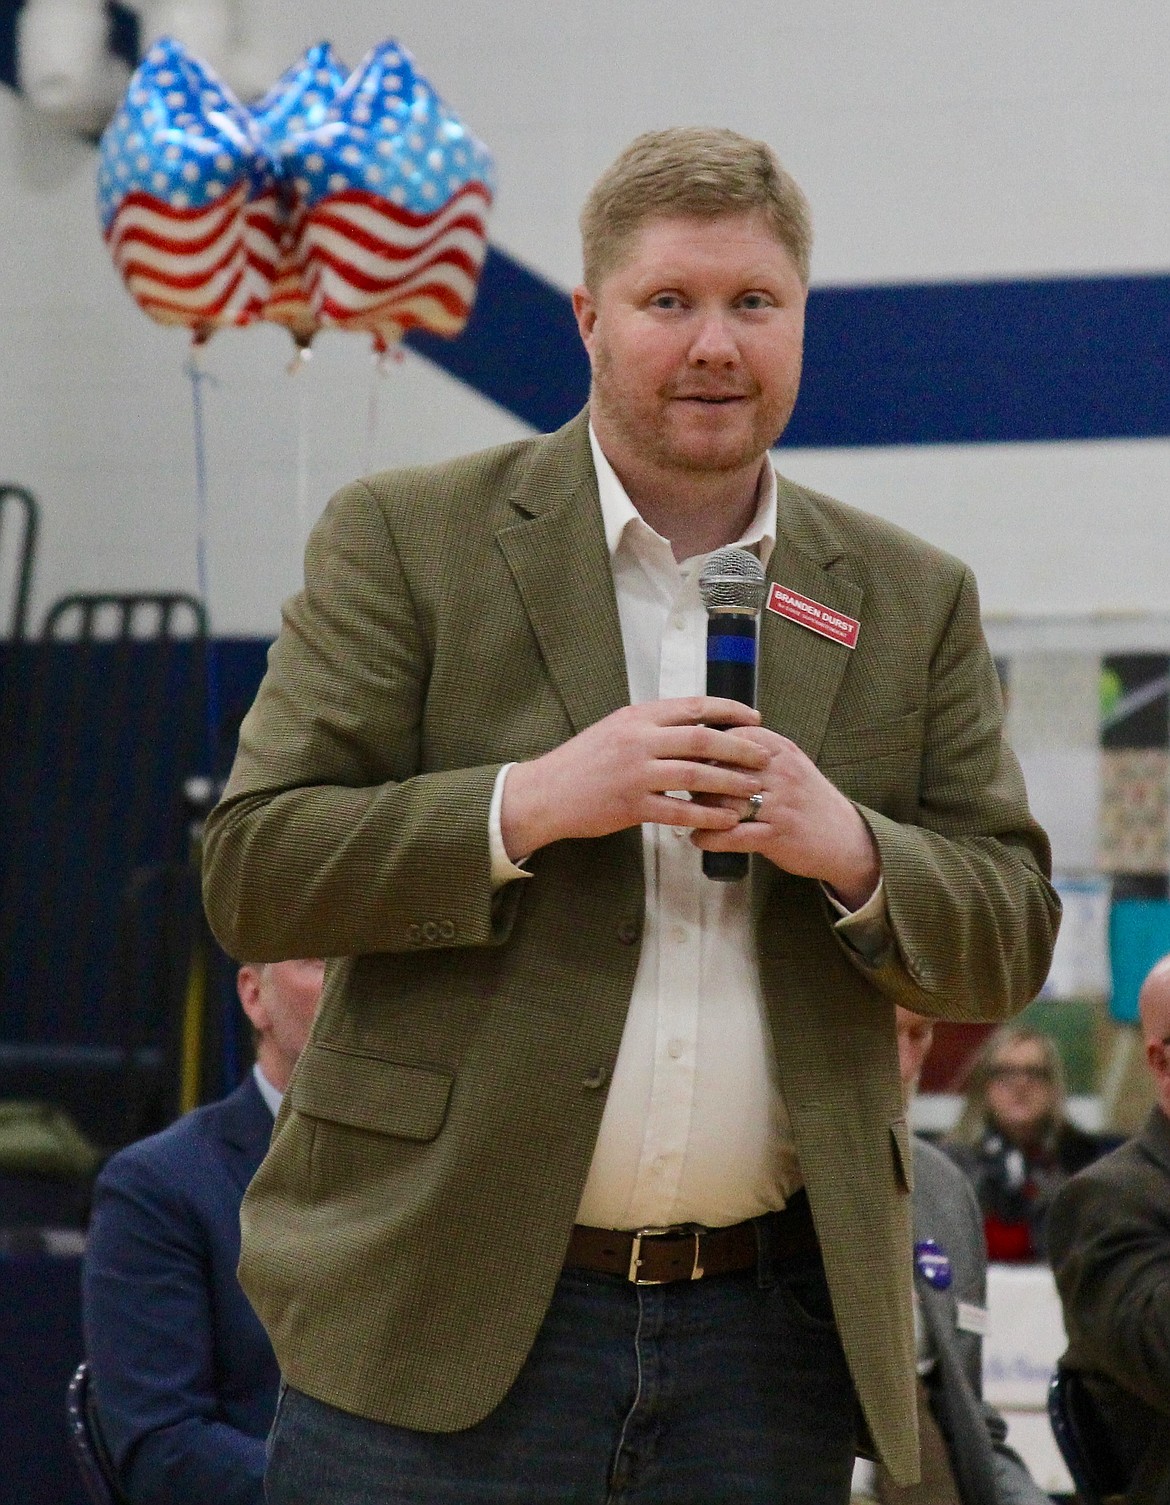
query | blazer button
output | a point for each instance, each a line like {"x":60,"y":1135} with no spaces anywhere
{"x":628,"y":932}
{"x":415,"y":934}
{"x":446,"y":930}
{"x":430,"y":931}
{"x":596,"y":1078}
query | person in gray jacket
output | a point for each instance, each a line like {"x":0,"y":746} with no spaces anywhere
{"x":965,"y":1459}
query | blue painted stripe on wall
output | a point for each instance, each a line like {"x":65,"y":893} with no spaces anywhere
{"x":938,"y":363}
{"x":998,"y":361}
{"x":520,"y":347}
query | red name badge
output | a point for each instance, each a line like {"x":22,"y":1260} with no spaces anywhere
{"x":814,"y":616}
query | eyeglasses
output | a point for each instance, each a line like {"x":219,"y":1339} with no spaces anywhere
{"x":1037,"y":1074}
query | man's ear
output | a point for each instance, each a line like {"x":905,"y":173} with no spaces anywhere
{"x":585,"y":310}
{"x":248,"y":987}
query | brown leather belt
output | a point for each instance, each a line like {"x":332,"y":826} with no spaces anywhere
{"x":656,"y":1256}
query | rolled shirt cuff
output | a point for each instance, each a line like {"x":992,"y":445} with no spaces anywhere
{"x":866,"y":930}
{"x":504,"y":870}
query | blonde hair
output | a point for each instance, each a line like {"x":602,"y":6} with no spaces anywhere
{"x":974,"y":1120}
{"x":691,"y":172}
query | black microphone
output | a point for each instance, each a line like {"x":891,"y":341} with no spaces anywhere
{"x":732,"y":586}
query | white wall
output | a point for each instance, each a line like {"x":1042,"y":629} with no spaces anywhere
{"x":936,"y":141}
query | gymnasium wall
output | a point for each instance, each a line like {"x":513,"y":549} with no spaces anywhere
{"x":989,"y":345}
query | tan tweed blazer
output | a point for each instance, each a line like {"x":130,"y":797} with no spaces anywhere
{"x":403,"y":1237}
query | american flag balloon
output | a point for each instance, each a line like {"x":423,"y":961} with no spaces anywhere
{"x":187,"y":196}
{"x":390,"y":195}
{"x":297,"y":102}
{"x":300,"y":98}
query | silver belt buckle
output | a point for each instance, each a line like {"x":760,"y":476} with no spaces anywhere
{"x":636,"y":1255}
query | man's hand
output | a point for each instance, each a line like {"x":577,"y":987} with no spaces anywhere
{"x":616,"y":773}
{"x":805,"y":825}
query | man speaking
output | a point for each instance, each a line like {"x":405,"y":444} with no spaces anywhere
{"x":592,"y":1183}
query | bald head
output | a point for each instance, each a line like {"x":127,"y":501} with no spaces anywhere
{"x":1154,"y":1002}
{"x":1154,"y":1007}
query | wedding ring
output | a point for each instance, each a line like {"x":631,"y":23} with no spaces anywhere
{"x":754,"y":803}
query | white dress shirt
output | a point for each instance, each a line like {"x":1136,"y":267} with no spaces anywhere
{"x":695,"y":1129}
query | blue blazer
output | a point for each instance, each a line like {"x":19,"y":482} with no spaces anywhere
{"x":183,"y":1373}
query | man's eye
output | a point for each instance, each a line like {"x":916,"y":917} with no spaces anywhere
{"x":666,"y":300}
{"x":755,"y":300}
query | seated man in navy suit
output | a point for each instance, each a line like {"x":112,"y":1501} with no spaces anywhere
{"x":183,"y":1374}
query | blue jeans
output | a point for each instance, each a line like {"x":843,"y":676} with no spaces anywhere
{"x":725,"y":1391}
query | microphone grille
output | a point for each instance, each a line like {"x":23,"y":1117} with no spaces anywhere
{"x":732,"y":580}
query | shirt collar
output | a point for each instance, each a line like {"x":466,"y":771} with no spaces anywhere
{"x":618,"y":512}
{"x":267,"y":1091}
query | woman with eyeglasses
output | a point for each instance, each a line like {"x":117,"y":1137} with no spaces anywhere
{"x":1014,"y":1140}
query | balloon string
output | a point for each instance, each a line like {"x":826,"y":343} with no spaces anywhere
{"x":372,"y":415}
{"x":295,"y":369}
{"x":383,"y":360}
{"x":198,"y":377}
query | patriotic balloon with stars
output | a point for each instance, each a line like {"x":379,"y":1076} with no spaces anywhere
{"x":390,"y":196}
{"x":187,"y":196}
{"x":299,"y":101}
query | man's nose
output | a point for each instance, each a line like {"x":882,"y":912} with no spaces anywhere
{"x":714,"y":343}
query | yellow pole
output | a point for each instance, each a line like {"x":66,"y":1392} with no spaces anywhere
{"x":194,"y":1004}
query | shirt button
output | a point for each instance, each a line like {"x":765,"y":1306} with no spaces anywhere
{"x":675,"y":1049}
{"x":677,"y":622}
{"x":678,"y":934}
{"x":680,"y":831}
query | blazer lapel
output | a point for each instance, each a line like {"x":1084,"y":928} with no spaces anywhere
{"x":557,"y":553}
{"x":245,"y":1129}
{"x":800,"y":671}
{"x":559,"y":561}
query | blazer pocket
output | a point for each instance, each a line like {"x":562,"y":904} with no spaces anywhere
{"x":368,"y":1092}
{"x":903,"y":1154}
{"x":849,"y":745}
